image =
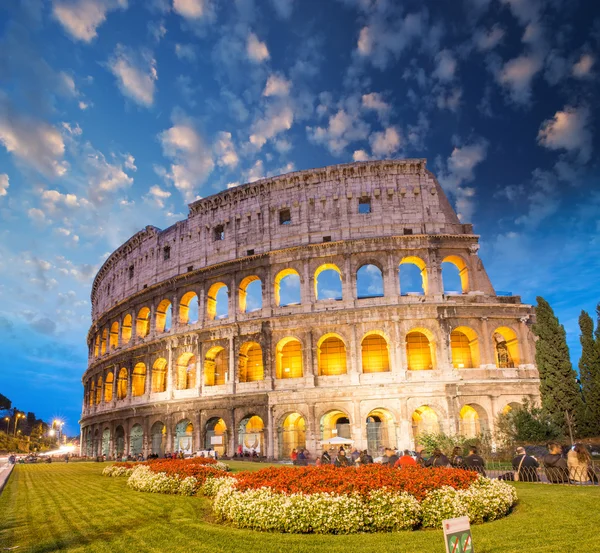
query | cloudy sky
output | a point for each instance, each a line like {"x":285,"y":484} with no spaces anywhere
{"x":114,"y":114}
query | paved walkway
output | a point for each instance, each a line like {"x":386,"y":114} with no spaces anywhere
{"x":5,"y":470}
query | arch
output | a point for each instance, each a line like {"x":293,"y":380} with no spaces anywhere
{"x":106,"y":442}
{"x":369,"y":281}
{"x":92,"y":393}
{"x":287,"y":287}
{"x":381,"y":431}
{"x":188,"y":308}
{"x":126,"y":328}
{"x":164,"y":313}
{"x":159,"y":375}
{"x":250,"y":294}
{"x":464,"y":344}
{"x":506,"y":347}
{"x":250,"y":366}
{"x":122,"y":384}
{"x":419,"y":350}
{"x":335,"y":423}
{"x":216,"y":436}
{"x":329,"y":286}
{"x":119,"y":441}
{"x":142,"y":322}
{"x":461,"y":274}
{"x":108,"y":386}
{"x":186,"y":371}
{"x":510,"y":406}
{"x":217,"y":301}
{"x":97,"y":345}
{"x":289,"y":358}
{"x":375,"y":353}
{"x":136,"y":440}
{"x":99,"y":390}
{"x":251,"y":434}
{"x":184,"y":435}
{"x":158,"y":437}
{"x":113,"y":340}
{"x":425,"y":420}
{"x":331,"y":355}
{"x":473,"y":420}
{"x":104,"y":341}
{"x":292,"y":434}
{"x":406,"y":286}
{"x":138,"y":380}
{"x":215,"y":367}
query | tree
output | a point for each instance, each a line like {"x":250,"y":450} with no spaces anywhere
{"x":561,"y":394}
{"x":5,"y":403}
{"x":589,"y":373}
{"x":526,"y":424}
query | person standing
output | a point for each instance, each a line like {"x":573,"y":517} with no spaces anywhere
{"x":342,"y":460}
{"x":406,"y":460}
{"x":325,"y":458}
{"x":474,"y":461}
{"x":579,"y":461}
{"x":294,"y":456}
{"x":555,"y":465}
{"x":389,"y":457}
{"x":438,"y":459}
{"x":456,"y":460}
{"x":525,"y":467}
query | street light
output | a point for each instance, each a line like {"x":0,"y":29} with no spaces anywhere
{"x":58,"y":424}
{"x":17,"y":417}
{"x":7,"y":419}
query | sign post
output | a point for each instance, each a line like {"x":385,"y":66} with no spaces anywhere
{"x":457,"y":535}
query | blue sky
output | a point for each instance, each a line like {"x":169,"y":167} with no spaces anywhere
{"x":114,"y":114}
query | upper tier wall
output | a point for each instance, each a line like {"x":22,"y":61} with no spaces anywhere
{"x":405,"y":198}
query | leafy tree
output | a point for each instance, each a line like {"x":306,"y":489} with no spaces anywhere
{"x":589,"y":373}
{"x":526,"y":424}
{"x":5,"y":403}
{"x":561,"y":395}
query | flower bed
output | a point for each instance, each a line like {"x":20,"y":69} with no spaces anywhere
{"x":173,"y":467}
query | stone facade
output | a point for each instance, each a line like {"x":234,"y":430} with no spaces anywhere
{"x":378,"y":369}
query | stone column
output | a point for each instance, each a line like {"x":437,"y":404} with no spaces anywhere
{"x":169,"y":375}
{"x":307,"y":289}
{"x":232,"y":303}
{"x":348,"y":285}
{"x":355,"y":364}
{"x":391,"y":279}
{"x":231,"y":371}
{"x":174,"y":312}
{"x":270,"y":433}
{"x":486,"y":345}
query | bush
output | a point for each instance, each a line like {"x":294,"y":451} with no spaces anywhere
{"x":526,"y":424}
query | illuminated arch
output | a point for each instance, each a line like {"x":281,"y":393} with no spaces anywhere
{"x":244,"y":291}
{"x":250,"y":365}
{"x":319,"y":271}
{"x":186,"y":371}
{"x":425,"y":420}
{"x":289,"y":358}
{"x":104,"y":341}
{"x":108,"y":387}
{"x":251,"y":434}
{"x":510,"y":406}
{"x":113,"y":340}
{"x":159,"y":375}
{"x":184,"y":436}
{"x":136,"y":440}
{"x":215,"y":304}
{"x":142,"y":323}
{"x":138,"y":380}
{"x":369,"y":281}
{"x":91,"y":392}
{"x":126,"y":328}
{"x":464,"y":344}
{"x":375,"y":353}
{"x":506,"y":347}
{"x":119,"y":441}
{"x":473,"y":420}
{"x":215,"y":367}
{"x":335,"y":423}
{"x":413,"y":260}
{"x":461,"y":267}
{"x":158,"y":437}
{"x":97,"y":345}
{"x":188,"y":308}
{"x":122,"y":384}
{"x":216,"y":436}
{"x":331,"y":355}
{"x":99,"y":390}
{"x":163,"y":316}
{"x":293,"y":434}
{"x":290,"y":275}
{"x":381,"y":430}
{"x":419,"y":350}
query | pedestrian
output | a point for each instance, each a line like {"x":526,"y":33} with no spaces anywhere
{"x":456,"y":459}
{"x":365,"y":458}
{"x":474,"y":461}
{"x":342,"y":460}
{"x":555,"y":465}
{"x":389,"y":457}
{"x":405,"y":460}
{"x":525,"y":467}
{"x":294,"y":456}
{"x":579,"y":462}
{"x":301,"y":459}
{"x":355,"y":455}
{"x":437,"y":459}
{"x":325,"y":458}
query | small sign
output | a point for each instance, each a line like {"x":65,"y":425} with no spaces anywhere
{"x":216,"y":440}
{"x":457,"y":535}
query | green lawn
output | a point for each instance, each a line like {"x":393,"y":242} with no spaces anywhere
{"x":60,"y":507}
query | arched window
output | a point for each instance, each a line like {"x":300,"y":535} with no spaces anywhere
{"x":331,"y":352}
{"x":293,"y":435}
{"x":381,"y":430}
{"x":186,"y":371}
{"x":104,"y":341}
{"x":465,"y":348}
{"x":108,"y":387}
{"x":473,"y":420}
{"x":425,"y":420}
{"x":413,"y":276}
{"x":335,"y":424}
{"x":251,"y":434}
{"x":251,"y":366}
{"x":506,"y":347}
{"x":138,"y":382}
{"x":375,"y":354}
{"x":250,"y":294}
{"x":113,"y":340}
{"x":142,"y":324}
{"x":122,"y":384}
{"x":97,"y":346}
{"x":164,"y":313}
{"x":455,"y":275}
{"x":287,"y":288}
{"x":216,"y":436}
{"x":328,"y":282}
{"x":188,"y":308}
{"x":215,"y":367}
{"x":369,"y":282}
{"x":126,"y":329}
{"x":99,"y":390}
{"x":159,"y":376}
{"x":91,"y":393}
{"x":136,"y":440}
{"x":158,"y":434}
{"x":418,"y":351}
{"x":184,"y":436}
{"x":289,"y":358}
{"x":217,"y":301}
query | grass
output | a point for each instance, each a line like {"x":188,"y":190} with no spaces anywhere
{"x":71,"y":507}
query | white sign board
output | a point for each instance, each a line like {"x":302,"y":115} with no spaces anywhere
{"x":457,"y":535}
{"x":216,"y":440}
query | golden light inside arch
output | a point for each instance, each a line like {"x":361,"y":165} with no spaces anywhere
{"x":243,"y":291}
{"x":375,"y":353}
{"x":281,"y":275}
{"x":320,"y":270}
{"x":143,"y":322}
{"x":159,"y":375}
{"x":420,"y":350}
{"x":186,"y":371}
{"x":411,"y":259}
{"x":211,"y":299}
{"x":425,"y":419}
{"x":506,"y":346}
{"x":161,"y":315}
{"x":289,"y":358}
{"x":138,"y":380}
{"x":250,"y":365}
{"x":184,"y":307}
{"x":126,"y":329}
{"x":464,"y":344}
{"x":331,"y":355}
{"x":215,"y":367}
{"x":463,"y":271}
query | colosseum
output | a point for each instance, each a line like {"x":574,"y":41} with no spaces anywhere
{"x":344,"y":301}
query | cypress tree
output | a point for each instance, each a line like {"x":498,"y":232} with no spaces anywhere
{"x":561,"y":394}
{"x":589,"y":373}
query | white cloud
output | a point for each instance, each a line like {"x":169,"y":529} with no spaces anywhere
{"x":192,"y":159}
{"x":278,"y":118}
{"x":568,"y":130}
{"x":283,"y":8}
{"x":157,"y":196}
{"x":449,"y":99}
{"x":277,"y":85}
{"x":72,"y":130}
{"x":36,"y":215}
{"x":83,"y":105}
{"x":384,"y":144}
{"x":54,"y":201}
{"x":375,"y":101}
{"x":583,"y":67}
{"x":225,"y":151}
{"x":517,"y":75}
{"x":256,"y":172}
{"x":525,"y":11}
{"x":256,"y":50}
{"x":136,"y":74}
{"x":185,"y":52}
{"x":192,"y":9}
{"x":343,"y":128}
{"x":487,"y":40}
{"x":104,"y":178}
{"x":81,"y":18}
{"x":543,"y":199}
{"x":360,"y":155}
{"x":4,"y":184}
{"x":445,"y":66}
